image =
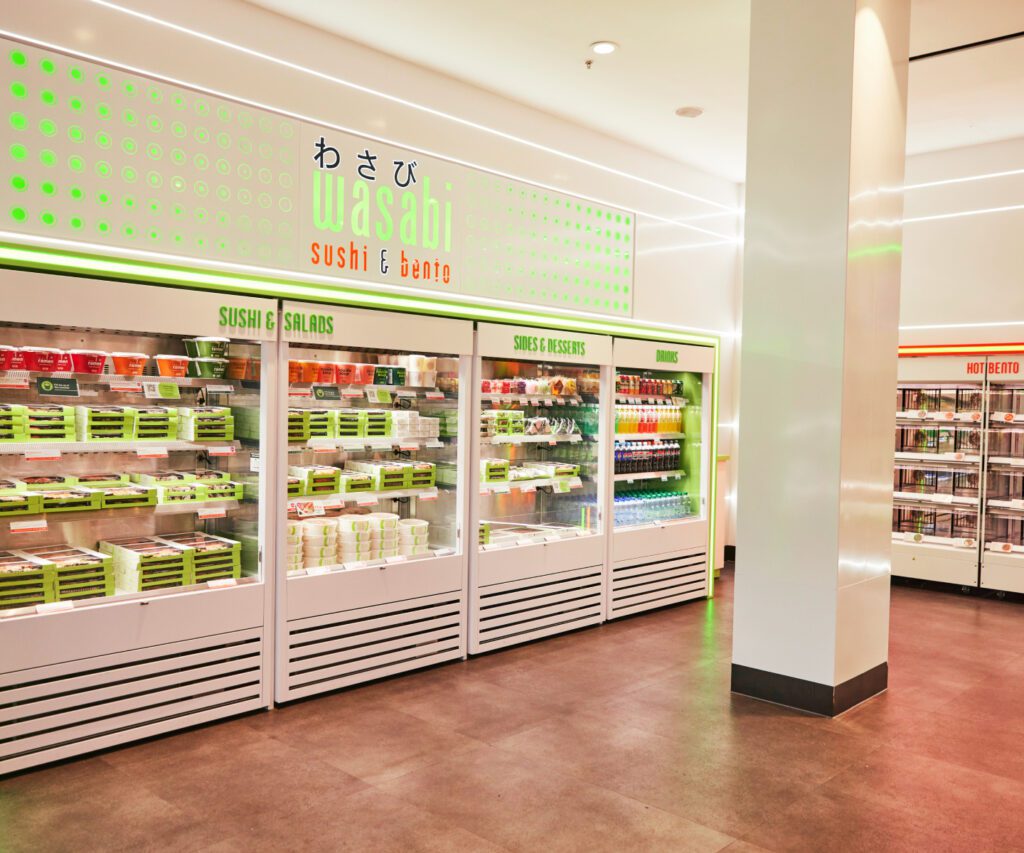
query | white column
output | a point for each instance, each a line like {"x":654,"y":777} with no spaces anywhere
{"x":827,"y":123}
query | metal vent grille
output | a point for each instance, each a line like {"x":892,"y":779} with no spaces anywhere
{"x":656,"y":583}
{"x":339,"y":649}
{"x":522,"y":610}
{"x":55,"y":712}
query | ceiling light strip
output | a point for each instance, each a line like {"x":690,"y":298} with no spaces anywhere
{"x":961,"y":349}
{"x":294,"y":66}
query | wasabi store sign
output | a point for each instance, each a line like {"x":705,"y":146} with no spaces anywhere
{"x":119,"y":162}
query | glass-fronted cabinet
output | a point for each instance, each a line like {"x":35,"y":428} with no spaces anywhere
{"x":371,"y":528}
{"x":661,"y":462}
{"x":1002,"y":558}
{"x":541,"y":397}
{"x":123,"y":482}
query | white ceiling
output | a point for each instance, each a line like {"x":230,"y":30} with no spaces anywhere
{"x":674,"y":53}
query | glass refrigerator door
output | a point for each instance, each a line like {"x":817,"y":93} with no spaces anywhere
{"x":657,"y":446}
{"x":121,"y":472}
{"x":1004,"y":495}
{"x":538,"y":451}
{"x":372,"y":457}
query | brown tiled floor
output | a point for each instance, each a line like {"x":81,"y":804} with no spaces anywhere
{"x":620,"y":738}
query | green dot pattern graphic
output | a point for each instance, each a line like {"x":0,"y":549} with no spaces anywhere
{"x":96,"y":154}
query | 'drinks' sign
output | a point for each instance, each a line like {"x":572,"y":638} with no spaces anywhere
{"x":377,"y":212}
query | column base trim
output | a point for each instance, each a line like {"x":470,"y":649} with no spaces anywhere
{"x":822,"y":699}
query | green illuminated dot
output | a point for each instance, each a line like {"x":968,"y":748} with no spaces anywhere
{"x":129,"y":174}
{"x":179,"y":102}
{"x":129,"y":201}
{"x":47,"y":127}
{"x":47,"y":157}
{"x":129,"y":117}
{"x":18,"y":90}
{"x":47,"y":66}
{"x":103,"y":111}
{"x":76,"y":222}
{"x":75,"y":73}
{"x":129,"y":231}
{"x":76,"y":193}
{"x":103,"y":198}
{"x":178,"y":183}
{"x":76,"y":104}
{"x":155,"y":124}
{"x":103,"y":80}
{"x":223,"y":193}
{"x":75,"y":133}
{"x":202,"y":134}
{"x":155,"y":96}
{"x":18,"y":152}
{"x":201,"y":161}
{"x":178,"y":211}
{"x":129,"y":88}
{"x":202,"y":107}
{"x":17,"y":121}
{"x":154,"y":180}
{"x":178,"y":156}
{"x":47,"y":97}
{"x":19,"y":183}
{"x":200,"y":188}
{"x":177,"y":238}
{"x":18,"y":214}
{"x":154,"y":206}
{"x":17,"y":57}
{"x":47,"y":218}
{"x":223,"y":113}
{"x":224,"y":140}
{"x":48,"y":187}
{"x":103,"y":227}
{"x":76,"y":163}
{"x":128,"y":145}
{"x":154,"y":235}
{"x":223,"y":167}
{"x":103,"y":168}
{"x":178,"y":128}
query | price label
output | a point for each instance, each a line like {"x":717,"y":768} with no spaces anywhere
{"x":43,"y":454}
{"x":321,"y":448}
{"x":443,"y":552}
{"x":664,"y":479}
{"x":408,"y":447}
{"x":211,"y":512}
{"x":434,"y":395}
{"x":525,"y":540}
{"x":14,"y":384}
{"x":1017,"y":504}
{"x":552,"y":537}
{"x":55,"y":607}
{"x":428,"y":496}
{"x":548,"y":401}
{"x":351,"y":393}
{"x":357,"y":564}
{"x":29,"y":526}
{"x":573,"y":401}
{"x":325,"y":392}
{"x":485,"y":492}
{"x":561,"y":486}
{"x":161,"y":390}
{"x":534,"y":401}
{"x":220,"y":389}
{"x":381,"y":396}
{"x":333,"y":503}
{"x":553,"y":442}
{"x":405,"y":392}
{"x":502,"y":489}
{"x":401,"y":558}
{"x":151,"y":452}
{"x":254,"y":463}
{"x":317,"y":570}
{"x":125,"y":387}
{"x":366,"y":502}
{"x":225,"y":450}
{"x":527,"y":489}
{"x":221,"y":583}
{"x":435,"y":444}
{"x":302,"y":392}
{"x":304,"y":509}
{"x":942,"y":499}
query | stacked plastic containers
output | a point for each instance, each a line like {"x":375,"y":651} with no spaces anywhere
{"x":354,"y":538}
{"x":413,"y":536}
{"x":383,"y":535}
{"x":319,"y":542}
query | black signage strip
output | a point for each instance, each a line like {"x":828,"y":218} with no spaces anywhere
{"x":969,"y":46}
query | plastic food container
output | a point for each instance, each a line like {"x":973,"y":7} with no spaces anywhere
{"x":172,"y":365}
{"x":238,"y":367}
{"x":207,"y":347}
{"x":325,"y":372}
{"x":40,"y":358}
{"x":129,"y":363}
{"x":366,"y":373}
{"x":87,"y":360}
{"x":310,"y":371}
{"x":63,"y":364}
{"x":210,"y":368}
{"x":255,"y":369}
{"x":345,"y":373}
{"x":413,"y":525}
{"x":294,"y":370}
{"x":353,"y":523}
{"x":8,"y":355}
{"x":409,"y":550}
{"x":382,"y":520}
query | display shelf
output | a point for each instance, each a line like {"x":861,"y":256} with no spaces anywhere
{"x":572,"y":438}
{"x":184,"y":508}
{"x":11,"y":378}
{"x":647,"y":525}
{"x":641,"y":436}
{"x":369,"y":443}
{"x":357,"y":565}
{"x":338,"y":499}
{"x":41,"y":447}
{"x":534,"y":399}
{"x":1011,"y":506}
{"x":649,"y":475}
{"x":944,"y":500}
{"x":1006,"y":461}
{"x":540,"y":536}
{"x":530,"y":485}
{"x":1006,"y":418}
{"x":650,"y":400}
{"x":949,"y":458}
{"x":960,"y":543}
{"x":941,"y":417}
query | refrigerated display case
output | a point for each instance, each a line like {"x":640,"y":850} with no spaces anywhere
{"x":660,"y":456}
{"x":132,"y":596}
{"x":937,"y":473}
{"x":539,"y":399}
{"x":1002,"y":557}
{"x":372,"y":558}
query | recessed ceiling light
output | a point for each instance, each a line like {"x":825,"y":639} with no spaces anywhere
{"x":603,"y":47}
{"x":689,"y":112}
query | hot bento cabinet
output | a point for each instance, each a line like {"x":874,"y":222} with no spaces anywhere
{"x":133,"y":515}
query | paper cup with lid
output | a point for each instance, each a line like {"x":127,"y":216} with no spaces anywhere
{"x":211,"y":368}
{"x":353,"y":523}
{"x":44,"y":359}
{"x":129,"y":363}
{"x":88,"y":360}
{"x":172,"y":365}
{"x":207,"y":347}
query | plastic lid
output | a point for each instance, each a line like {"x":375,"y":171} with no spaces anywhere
{"x":87,"y":352}
{"x":165,"y":355}
{"x":42,"y":349}
{"x":222,"y":340}
{"x":131,"y":354}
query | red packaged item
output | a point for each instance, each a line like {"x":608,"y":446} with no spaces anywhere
{"x":87,"y":360}
{"x":41,"y":358}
